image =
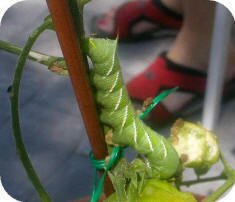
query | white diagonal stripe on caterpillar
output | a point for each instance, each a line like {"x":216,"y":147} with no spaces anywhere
{"x":111,"y":66}
{"x":119,"y":100}
{"x":135,"y":132}
{"x":164,"y":148}
{"x":115,"y":82}
{"x":125,"y":117}
{"x":147,"y":136}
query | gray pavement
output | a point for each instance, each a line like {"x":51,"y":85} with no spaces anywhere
{"x":51,"y":122}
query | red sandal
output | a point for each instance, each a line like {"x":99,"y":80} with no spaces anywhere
{"x":164,"y":74}
{"x":135,"y":12}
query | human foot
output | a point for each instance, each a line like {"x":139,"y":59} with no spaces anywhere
{"x":164,"y":74}
{"x":137,"y":19}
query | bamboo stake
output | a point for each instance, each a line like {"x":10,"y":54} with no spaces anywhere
{"x":69,"y":42}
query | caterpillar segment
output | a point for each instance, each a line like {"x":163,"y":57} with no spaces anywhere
{"x":118,"y":113}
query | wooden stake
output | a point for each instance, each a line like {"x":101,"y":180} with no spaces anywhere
{"x":69,"y":42}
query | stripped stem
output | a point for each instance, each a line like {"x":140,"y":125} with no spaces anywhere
{"x":55,"y":64}
{"x":14,"y":97}
{"x":202,"y":180}
{"x":33,"y":55}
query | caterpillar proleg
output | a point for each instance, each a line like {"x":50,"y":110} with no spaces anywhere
{"x":118,"y":113}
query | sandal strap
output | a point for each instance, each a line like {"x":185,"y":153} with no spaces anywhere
{"x":150,"y":10}
{"x":165,"y":74}
{"x":158,"y":12}
{"x":187,"y":78}
{"x":169,"y":12}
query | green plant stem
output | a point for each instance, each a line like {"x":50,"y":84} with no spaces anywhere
{"x":202,"y":180}
{"x":220,"y":191}
{"x":33,"y":55}
{"x":14,"y":97}
{"x":79,"y":15}
{"x":52,"y":62}
{"x":229,"y":173}
{"x":77,"y":7}
{"x":227,"y":168}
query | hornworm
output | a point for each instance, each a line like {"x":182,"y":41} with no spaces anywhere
{"x":117,"y":112}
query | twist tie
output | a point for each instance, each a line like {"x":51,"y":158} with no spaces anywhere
{"x":156,"y":100}
{"x":116,"y":154}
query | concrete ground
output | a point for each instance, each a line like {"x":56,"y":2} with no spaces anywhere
{"x":51,"y":122}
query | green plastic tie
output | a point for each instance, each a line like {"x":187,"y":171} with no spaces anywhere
{"x":116,"y":154}
{"x":156,"y":100}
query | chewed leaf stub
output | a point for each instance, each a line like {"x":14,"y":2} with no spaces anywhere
{"x":196,"y":146}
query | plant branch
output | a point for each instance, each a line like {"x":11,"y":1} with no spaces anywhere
{"x":33,"y":55}
{"x":54,"y":64}
{"x":229,"y":173}
{"x":220,"y":191}
{"x":14,"y":97}
{"x":227,"y":168}
{"x":202,"y":180}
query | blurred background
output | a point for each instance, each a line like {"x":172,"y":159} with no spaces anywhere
{"x":51,"y":122}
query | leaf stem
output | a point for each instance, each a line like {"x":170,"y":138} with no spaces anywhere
{"x":227,"y":168}
{"x":202,"y":180}
{"x":55,"y":64}
{"x":33,"y":55}
{"x":14,"y":97}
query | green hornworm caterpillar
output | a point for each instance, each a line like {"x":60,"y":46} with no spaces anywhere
{"x":117,"y":111}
